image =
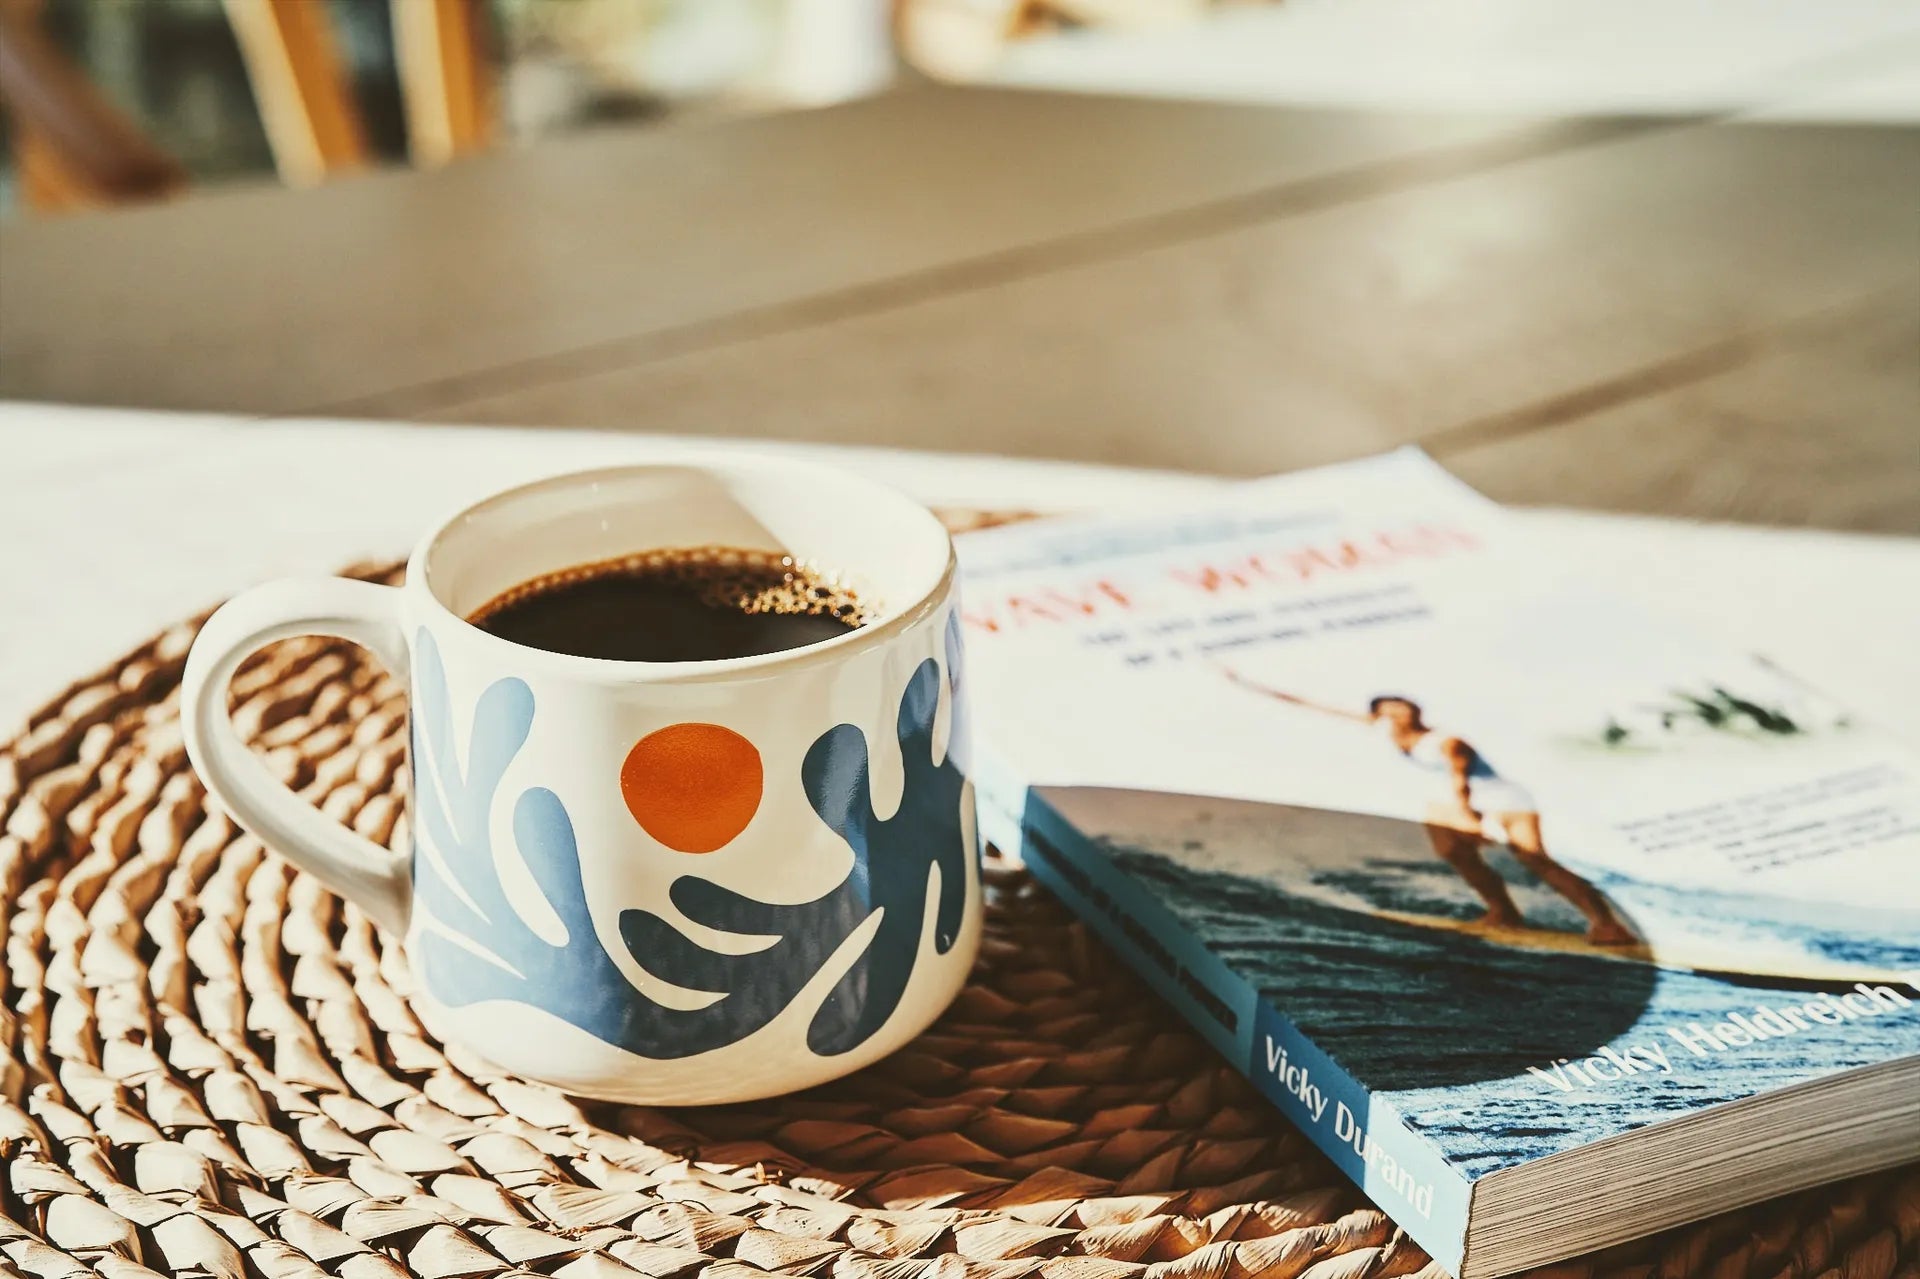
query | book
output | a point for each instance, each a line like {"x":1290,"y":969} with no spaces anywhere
{"x":1551,"y":923}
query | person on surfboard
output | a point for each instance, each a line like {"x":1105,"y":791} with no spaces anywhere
{"x":1456,"y":820}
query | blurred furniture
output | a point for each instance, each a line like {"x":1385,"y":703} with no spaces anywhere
{"x":1674,"y":316}
{"x":446,"y":77}
{"x":75,"y":148}
{"x":306,"y":102}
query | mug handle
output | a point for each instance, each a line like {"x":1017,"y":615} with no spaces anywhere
{"x":376,"y":879}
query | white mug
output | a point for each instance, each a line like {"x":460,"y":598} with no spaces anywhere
{"x":658,"y":882}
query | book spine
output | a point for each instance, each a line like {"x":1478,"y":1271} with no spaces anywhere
{"x":1364,"y":1136}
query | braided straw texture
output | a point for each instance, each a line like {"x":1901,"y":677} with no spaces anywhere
{"x":208,"y":1067}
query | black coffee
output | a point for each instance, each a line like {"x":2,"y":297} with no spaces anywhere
{"x":674,"y":606}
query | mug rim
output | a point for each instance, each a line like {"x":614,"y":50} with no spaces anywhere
{"x":890,"y":623}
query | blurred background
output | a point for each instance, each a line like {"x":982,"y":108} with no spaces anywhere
{"x":1657,"y":256}
{"x":207,"y":80}
{"x":226,"y":90}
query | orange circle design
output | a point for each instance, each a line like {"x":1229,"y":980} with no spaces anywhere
{"x":693,"y":787}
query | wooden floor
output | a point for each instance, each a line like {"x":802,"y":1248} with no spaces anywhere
{"x":1683,"y":316}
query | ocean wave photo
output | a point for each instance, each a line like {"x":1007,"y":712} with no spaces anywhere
{"x":1349,"y":926}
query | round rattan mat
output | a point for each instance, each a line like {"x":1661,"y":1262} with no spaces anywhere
{"x":209,"y":1068}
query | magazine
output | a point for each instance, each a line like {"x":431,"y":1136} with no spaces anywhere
{"x":1550,"y":923}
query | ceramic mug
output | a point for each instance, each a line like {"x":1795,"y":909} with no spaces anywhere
{"x":661,"y":882}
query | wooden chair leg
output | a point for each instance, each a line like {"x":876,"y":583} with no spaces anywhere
{"x":446,"y":80}
{"x":47,"y":183}
{"x":305,"y":98}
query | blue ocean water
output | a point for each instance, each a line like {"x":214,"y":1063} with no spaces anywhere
{"x":1445,"y":1026}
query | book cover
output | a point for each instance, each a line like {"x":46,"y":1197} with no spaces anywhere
{"x":1465,"y":863}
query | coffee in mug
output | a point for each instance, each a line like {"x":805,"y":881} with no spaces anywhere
{"x":695,"y":604}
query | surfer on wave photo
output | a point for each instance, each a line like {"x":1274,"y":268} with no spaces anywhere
{"x":1466,"y":796}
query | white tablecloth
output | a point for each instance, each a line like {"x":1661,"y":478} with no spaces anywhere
{"x":115,"y":523}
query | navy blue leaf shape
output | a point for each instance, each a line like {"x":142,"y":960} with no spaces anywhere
{"x":892,"y":861}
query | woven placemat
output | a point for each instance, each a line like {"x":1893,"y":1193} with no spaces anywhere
{"x":209,"y":1068}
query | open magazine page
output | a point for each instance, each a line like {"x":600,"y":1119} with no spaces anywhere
{"x":1534,"y":869}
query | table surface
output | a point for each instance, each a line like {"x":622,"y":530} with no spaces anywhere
{"x":121,"y":523}
{"x":1686,"y":316}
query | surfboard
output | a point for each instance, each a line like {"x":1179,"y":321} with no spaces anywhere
{"x":1683,"y":956}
